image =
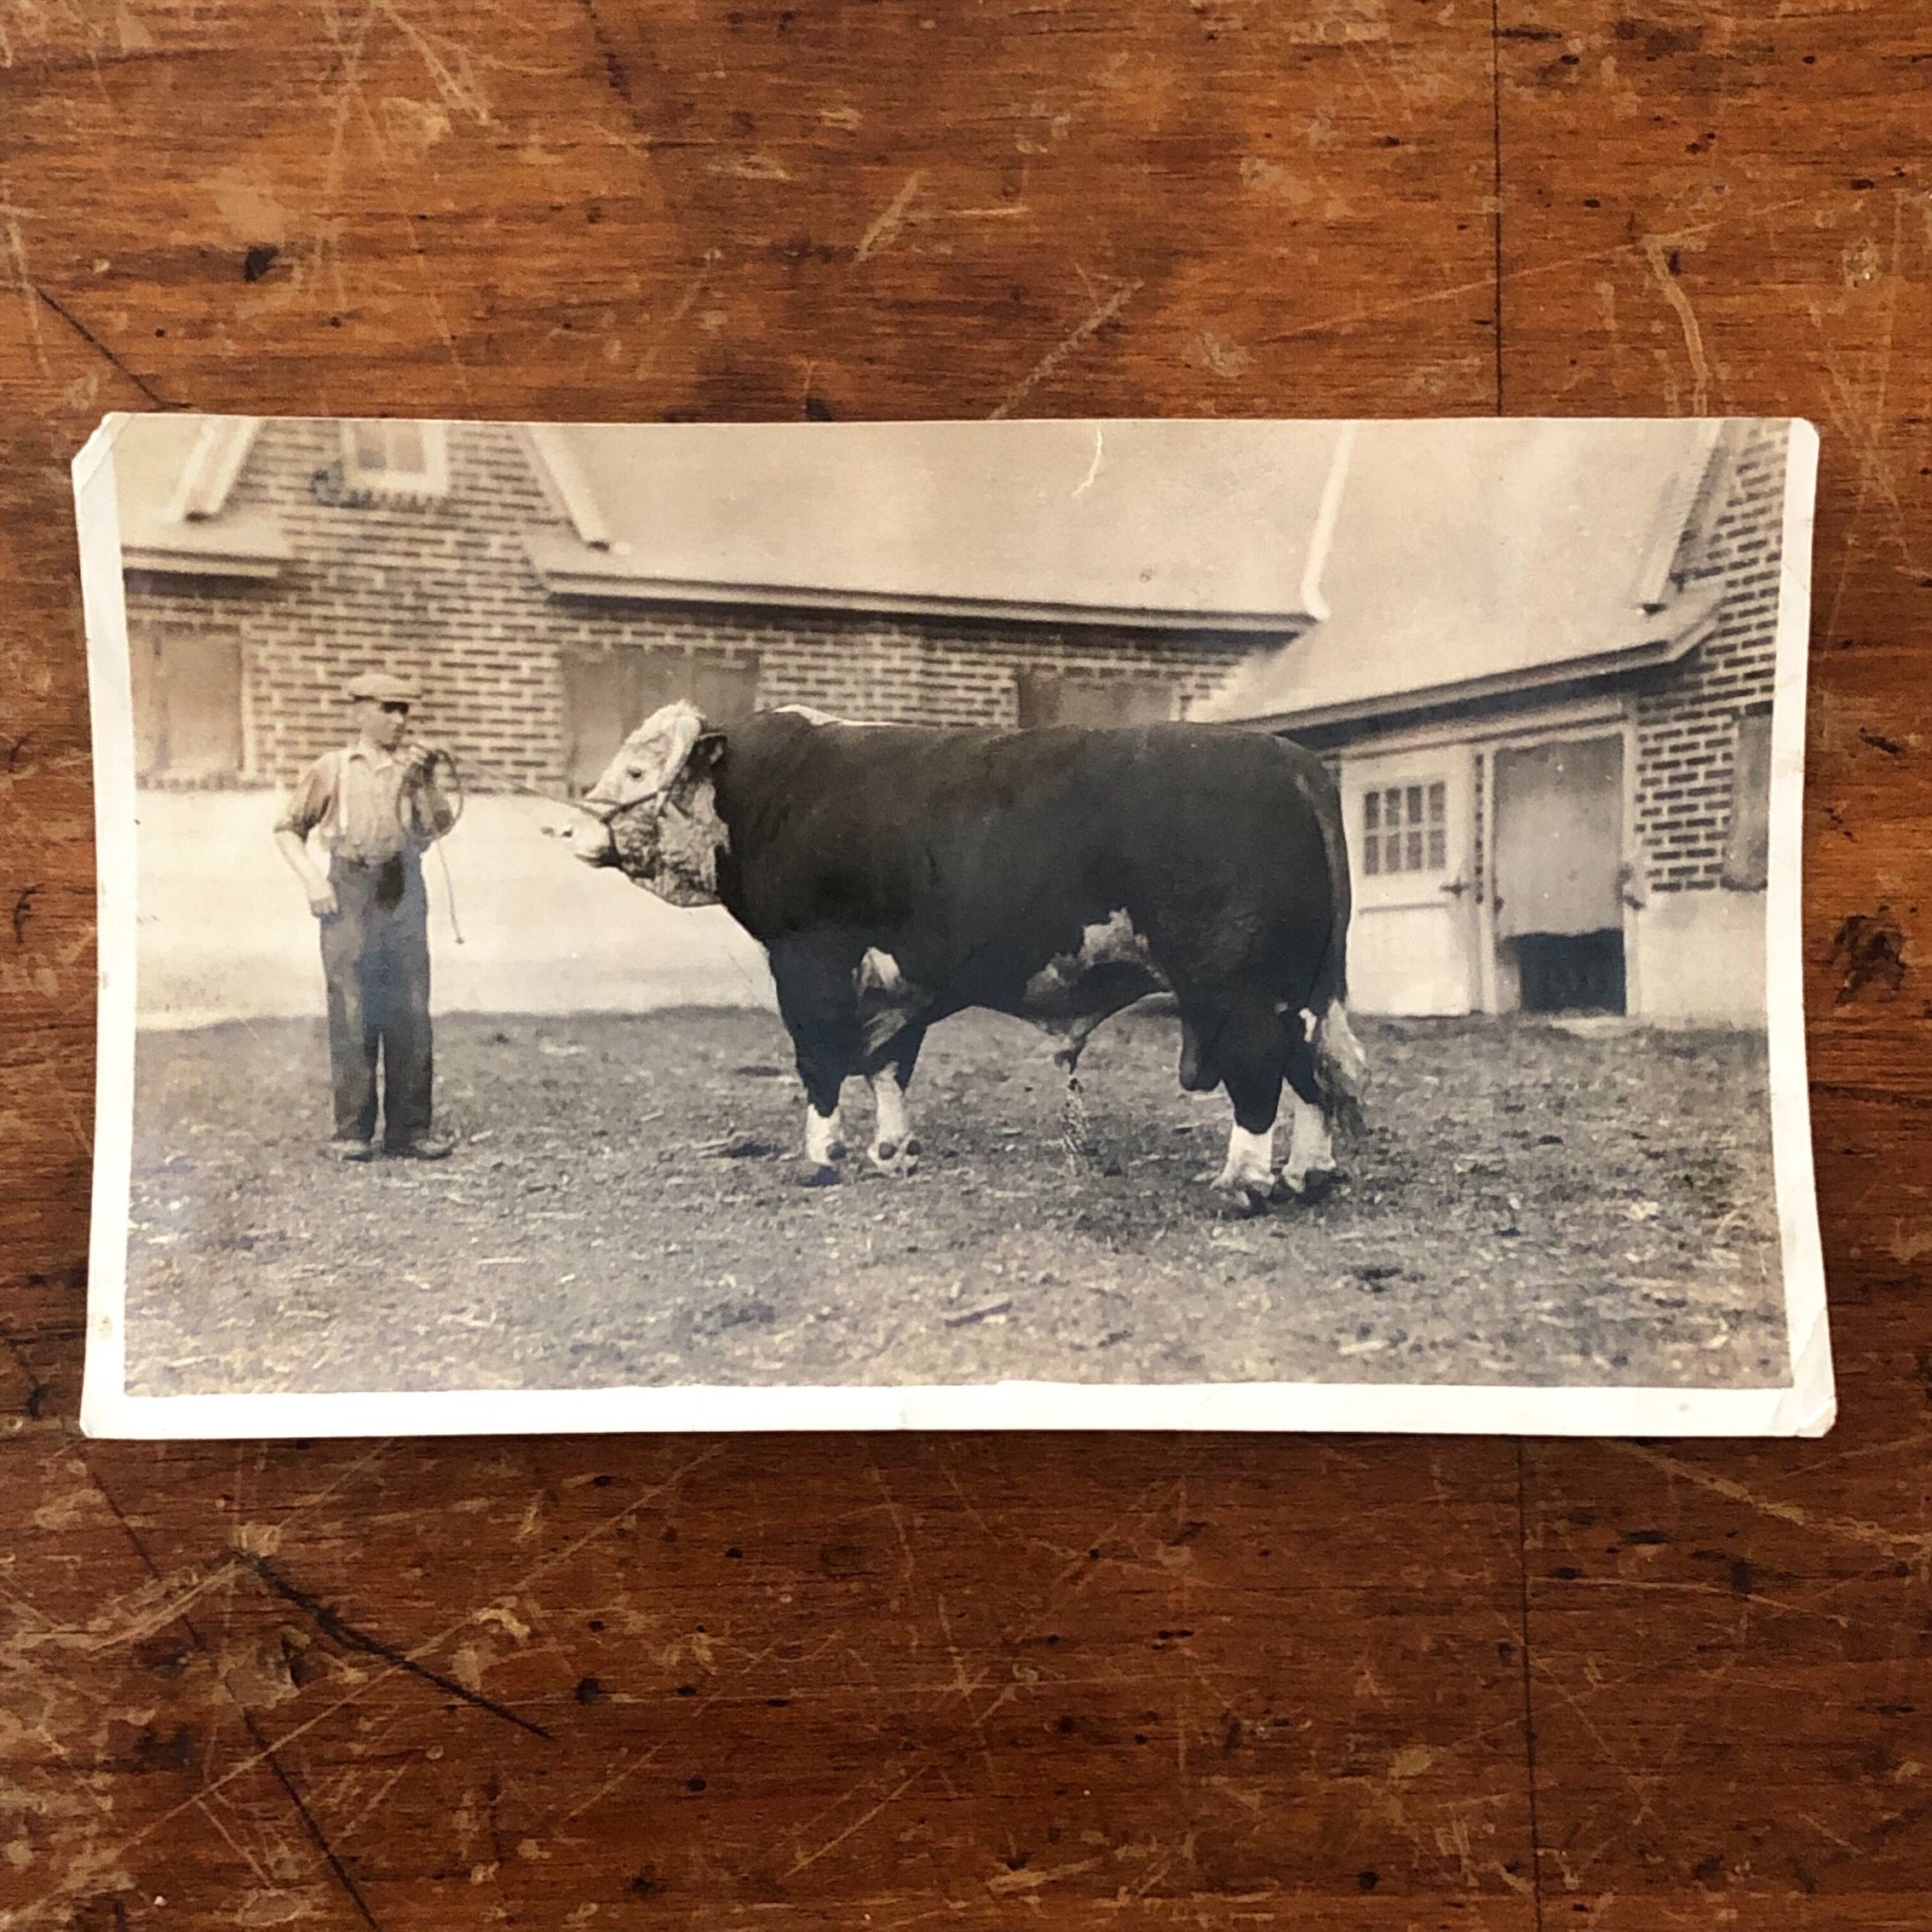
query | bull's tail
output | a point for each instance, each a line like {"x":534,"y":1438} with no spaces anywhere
{"x":1341,"y":1067}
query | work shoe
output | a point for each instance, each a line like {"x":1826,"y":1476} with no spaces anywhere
{"x":350,"y":1150}
{"x":424,"y":1146}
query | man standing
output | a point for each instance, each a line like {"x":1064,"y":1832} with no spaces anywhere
{"x":378,"y":812}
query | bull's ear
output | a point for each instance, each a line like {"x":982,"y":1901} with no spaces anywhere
{"x":708,"y":750}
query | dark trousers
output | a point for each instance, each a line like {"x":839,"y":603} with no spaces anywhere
{"x":376,"y":957}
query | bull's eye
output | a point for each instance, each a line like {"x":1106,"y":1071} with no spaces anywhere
{"x":636,"y":771}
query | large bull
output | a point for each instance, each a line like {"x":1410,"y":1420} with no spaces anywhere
{"x":895,"y":875}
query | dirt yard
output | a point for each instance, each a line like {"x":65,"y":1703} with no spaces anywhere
{"x":1531,"y":1204}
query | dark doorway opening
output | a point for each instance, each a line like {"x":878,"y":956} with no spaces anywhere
{"x":608,"y":693}
{"x":187,"y":705}
{"x":1048,"y":698}
{"x":1571,"y":972}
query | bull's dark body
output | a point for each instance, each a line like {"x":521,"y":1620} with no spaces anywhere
{"x":978,"y":859}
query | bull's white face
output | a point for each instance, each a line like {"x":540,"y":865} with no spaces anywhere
{"x":660,"y":823}
{"x":649,"y":762}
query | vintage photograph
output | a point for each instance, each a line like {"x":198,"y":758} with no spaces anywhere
{"x":1259,"y":924}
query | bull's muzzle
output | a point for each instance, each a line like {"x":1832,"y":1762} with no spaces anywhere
{"x":592,"y":843}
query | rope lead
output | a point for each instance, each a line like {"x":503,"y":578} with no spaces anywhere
{"x":437,"y":755}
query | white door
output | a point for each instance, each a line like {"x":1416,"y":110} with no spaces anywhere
{"x":1411,"y":850}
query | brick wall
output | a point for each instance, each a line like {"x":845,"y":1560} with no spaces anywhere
{"x":916,"y":673}
{"x":1687,"y":720}
{"x":443,"y":591}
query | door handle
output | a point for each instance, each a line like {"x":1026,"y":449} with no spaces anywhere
{"x":1455,"y":887}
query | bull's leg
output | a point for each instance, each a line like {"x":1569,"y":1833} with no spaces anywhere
{"x":1310,"y":1172}
{"x":1250,"y":1048}
{"x":1247,"y":1175}
{"x":824,"y":1144}
{"x":895,"y":1145}
{"x":820,"y":1010}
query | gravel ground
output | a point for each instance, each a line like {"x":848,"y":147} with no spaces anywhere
{"x":1533,"y":1202}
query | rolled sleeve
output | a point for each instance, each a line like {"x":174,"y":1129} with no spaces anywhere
{"x":308,"y":803}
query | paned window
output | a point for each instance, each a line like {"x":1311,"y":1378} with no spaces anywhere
{"x":408,"y":461}
{"x":1405,"y":829}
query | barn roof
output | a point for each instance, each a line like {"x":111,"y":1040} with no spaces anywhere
{"x":1194,"y":524}
{"x":172,"y":476}
{"x":1479,"y":556}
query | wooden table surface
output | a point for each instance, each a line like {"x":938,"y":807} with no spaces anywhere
{"x":942,"y":1681}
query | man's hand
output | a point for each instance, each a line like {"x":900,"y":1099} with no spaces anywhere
{"x":416,"y":764}
{"x":320,"y":894}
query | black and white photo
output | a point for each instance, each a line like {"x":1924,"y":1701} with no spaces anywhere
{"x":1247,"y":924}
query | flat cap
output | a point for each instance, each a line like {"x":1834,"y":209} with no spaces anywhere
{"x":384,"y":688}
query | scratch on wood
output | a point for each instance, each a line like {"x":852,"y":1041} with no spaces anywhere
{"x":1661,"y":252}
{"x":1862,"y":418}
{"x":1006,"y":1884}
{"x":1691,"y":235}
{"x":1916,"y":1545}
{"x":205,"y":1802}
{"x":30,"y":297}
{"x":328,"y":1850}
{"x":884,"y":231}
{"x":128,"y":1619}
{"x":23,"y":911}
{"x":683,"y":309}
{"x":242,"y":1766}
{"x":969,"y":1688}
{"x":896,"y":1517}
{"x":1095,"y":320}
{"x":1875,"y":1096}
{"x":331,"y":1625}
{"x":860,"y":1823}
{"x":36,"y":298}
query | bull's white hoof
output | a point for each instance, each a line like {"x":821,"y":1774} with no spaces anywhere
{"x":1239,"y":1196}
{"x":901,"y":1159}
{"x":1316,"y":1185}
{"x":1242,"y":1189}
{"x":824,"y":1141}
{"x":1247,"y":1179}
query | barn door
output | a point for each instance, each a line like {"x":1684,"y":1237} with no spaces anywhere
{"x":187,"y":705}
{"x":1411,"y":946}
{"x":600,"y":711}
{"x":1559,"y":872}
{"x":608,"y":693}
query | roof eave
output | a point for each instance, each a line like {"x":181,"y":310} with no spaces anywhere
{"x":1668,"y":648}
{"x":259,"y":567}
{"x":207,"y":478}
{"x":590,"y":575}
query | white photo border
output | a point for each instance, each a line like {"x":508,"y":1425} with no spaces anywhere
{"x":1806,"y":1406}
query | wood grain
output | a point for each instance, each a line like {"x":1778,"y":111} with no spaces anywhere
{"x":842,"y":1681}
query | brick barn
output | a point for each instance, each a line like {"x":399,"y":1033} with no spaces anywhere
{"x":549,"y":586}
{"x":1546,"y":689}
{"x":1539,"y":655}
